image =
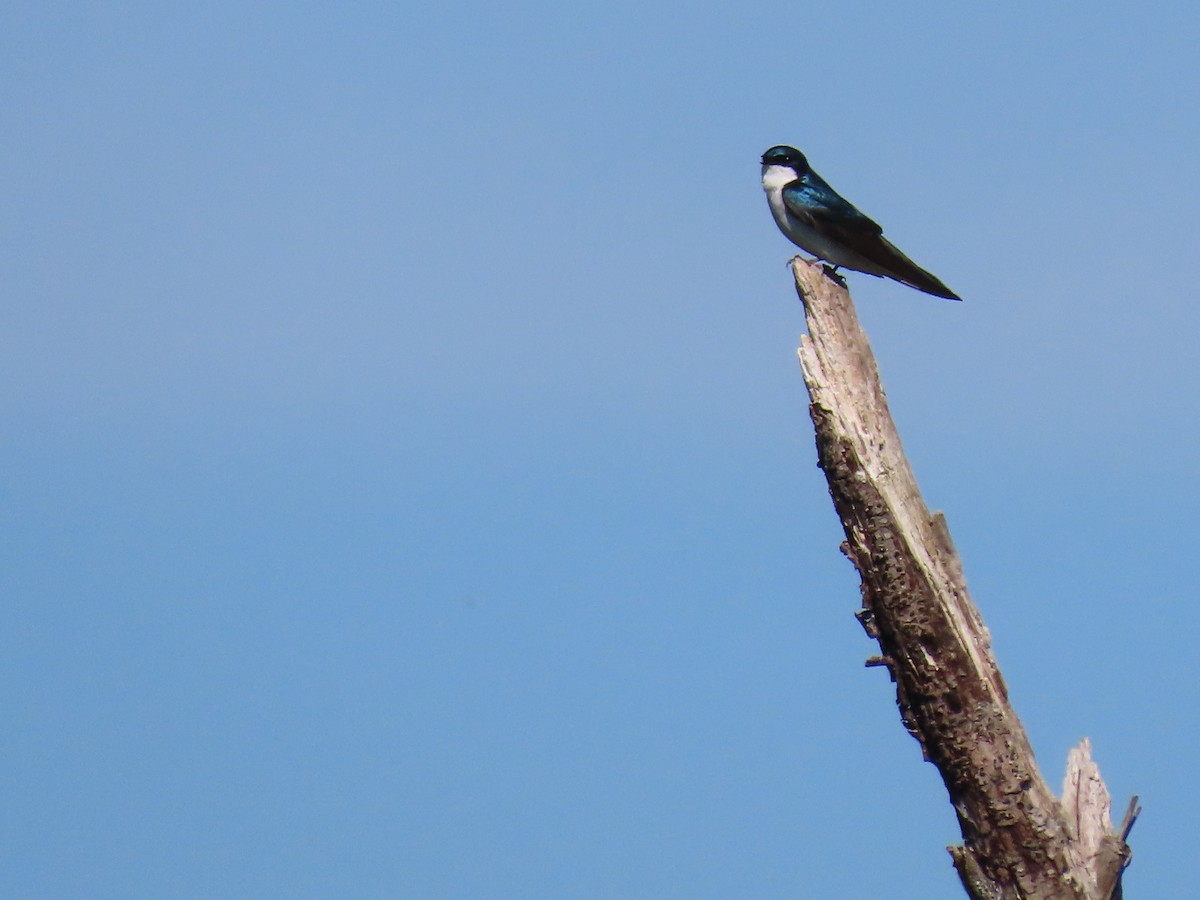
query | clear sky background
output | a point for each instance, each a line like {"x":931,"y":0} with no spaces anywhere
{"x":407,"y":485}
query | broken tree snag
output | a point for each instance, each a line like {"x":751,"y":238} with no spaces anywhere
{"x":1019,"y":840}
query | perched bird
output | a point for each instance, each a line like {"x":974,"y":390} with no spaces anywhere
{"x":814,"y":217}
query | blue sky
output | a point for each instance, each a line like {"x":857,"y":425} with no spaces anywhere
{"x":406,"y":485}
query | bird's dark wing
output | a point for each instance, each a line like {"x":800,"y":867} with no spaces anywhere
{"x":823,"y":209}
{"x":818,"y":205}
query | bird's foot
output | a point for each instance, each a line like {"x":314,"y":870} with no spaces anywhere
{"x":832,"y":272}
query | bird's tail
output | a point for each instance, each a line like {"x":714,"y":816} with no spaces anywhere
{"x":905,"y":271}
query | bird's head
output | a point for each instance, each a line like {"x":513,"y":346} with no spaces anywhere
{"x":788,"y":157}
{"x":781,"y":166}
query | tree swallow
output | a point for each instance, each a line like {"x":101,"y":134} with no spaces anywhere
{"x":814,"y":217}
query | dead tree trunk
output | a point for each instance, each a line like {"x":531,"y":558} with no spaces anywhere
{"x":1020,"y":842}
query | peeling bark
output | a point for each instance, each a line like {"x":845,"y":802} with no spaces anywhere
{"x":1020,"y":842}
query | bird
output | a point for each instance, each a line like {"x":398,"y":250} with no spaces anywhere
{"x":816,"y":218}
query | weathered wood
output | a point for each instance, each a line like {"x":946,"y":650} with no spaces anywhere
{"x":1019,"y":841}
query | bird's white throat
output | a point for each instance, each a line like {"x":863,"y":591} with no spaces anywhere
{"x":774,"y":178}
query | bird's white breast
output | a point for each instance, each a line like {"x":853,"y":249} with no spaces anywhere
{"x":774,"y":180}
